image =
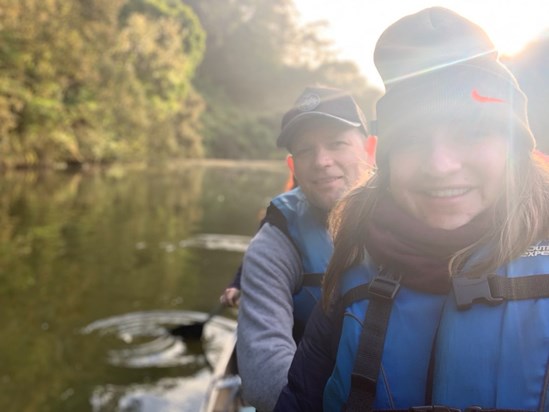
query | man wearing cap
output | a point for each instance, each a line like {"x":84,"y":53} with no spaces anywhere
{"x":326,"y":136}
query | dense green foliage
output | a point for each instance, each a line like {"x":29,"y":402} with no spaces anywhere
{"x":98,"y":81}
{"x":110,"y":80}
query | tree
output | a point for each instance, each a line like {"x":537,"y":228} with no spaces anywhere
{"x":258,"y":59}
{"x":96,"y":81}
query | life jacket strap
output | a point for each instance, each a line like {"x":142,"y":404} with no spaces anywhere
{"x":381,"y":287}
{"x":381,"y":292}
{"x":312,"y":279}
{"x":495,"y":289}
{"x":442,"y":408}
{"x":275,"y":217}
{"x":424,"y":408}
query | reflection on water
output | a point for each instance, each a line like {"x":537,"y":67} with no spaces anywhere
{"x":146,"y":343}
{"x":211,"y":241}
{"x":166,"y":395}
{"x":231,"y":243}
{"x":122,"y":246}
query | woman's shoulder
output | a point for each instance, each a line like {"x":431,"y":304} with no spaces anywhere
{"x":358,"y":275}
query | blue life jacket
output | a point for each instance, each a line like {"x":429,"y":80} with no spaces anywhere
{"x":491,"y":356}
{"x":305,"y":226}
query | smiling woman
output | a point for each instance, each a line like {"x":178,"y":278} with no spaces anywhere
{"x":448,"y":174}
{"x":431,"y":296}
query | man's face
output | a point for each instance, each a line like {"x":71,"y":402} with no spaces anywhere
{"x":328,"y":160}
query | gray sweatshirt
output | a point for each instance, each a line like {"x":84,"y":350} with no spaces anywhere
{"x":271,"y":274}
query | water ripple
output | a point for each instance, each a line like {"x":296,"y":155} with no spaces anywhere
{"x":146,"y":343}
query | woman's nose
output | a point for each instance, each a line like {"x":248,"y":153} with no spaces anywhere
{"x":442,"y":157}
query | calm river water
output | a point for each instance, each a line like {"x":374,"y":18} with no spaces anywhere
{"x":94,"y":266}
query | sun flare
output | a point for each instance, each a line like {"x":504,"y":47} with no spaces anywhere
{"x":355,"y":25}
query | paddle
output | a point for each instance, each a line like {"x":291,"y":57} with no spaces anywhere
{"x":193,"y":331}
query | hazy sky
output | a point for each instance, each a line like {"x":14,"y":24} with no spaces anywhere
{"x":355,"y":25}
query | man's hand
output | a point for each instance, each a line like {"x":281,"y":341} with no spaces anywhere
{"x":230,"y":297}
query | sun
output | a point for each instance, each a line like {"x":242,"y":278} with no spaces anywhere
{"x":525,"y":21}
{"x":355,"y":25}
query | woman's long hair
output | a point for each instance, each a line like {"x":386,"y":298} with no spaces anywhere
{"x":520,"y":219}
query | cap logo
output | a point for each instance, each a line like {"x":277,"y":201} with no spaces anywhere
{"x":308,"y":102}
{"x":484,"y":99}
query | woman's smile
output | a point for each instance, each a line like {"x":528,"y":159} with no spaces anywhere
{"x":447,"y":192}
{"x":444,"y":182}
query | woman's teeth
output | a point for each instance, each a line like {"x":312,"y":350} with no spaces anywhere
{"x":447,"y":192}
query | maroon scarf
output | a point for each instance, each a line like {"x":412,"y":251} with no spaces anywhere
{"x":407,"y":246}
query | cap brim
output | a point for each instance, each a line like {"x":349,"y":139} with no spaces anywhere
{"x":288,"y":132}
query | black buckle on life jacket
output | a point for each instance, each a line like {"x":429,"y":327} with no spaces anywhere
{"x":433,"y":408}
{"x":383,"y":287}
{"x":467,"y":291}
